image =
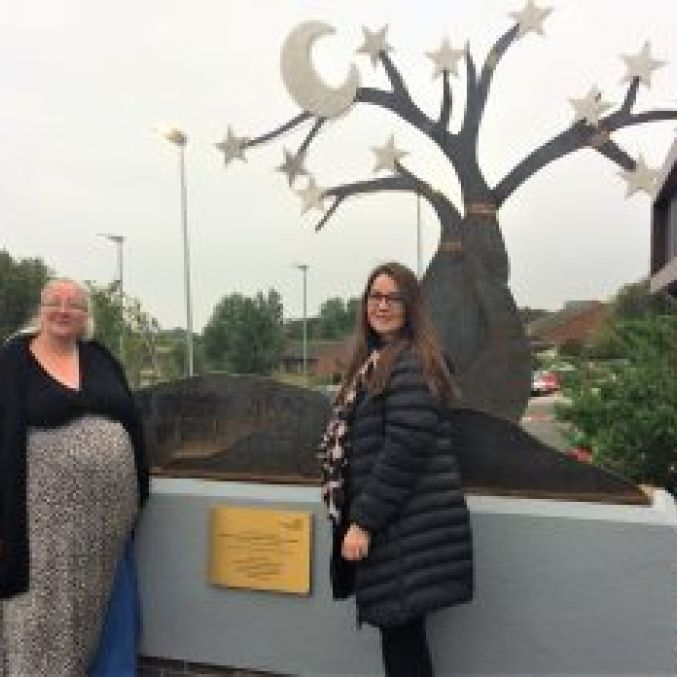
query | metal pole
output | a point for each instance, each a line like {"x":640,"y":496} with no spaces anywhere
{"x":303,"y":267}
{"x":418,"y":235}
{"x":119,"y":241}
{"x":305,"y":324}
{"x":186,"y":260}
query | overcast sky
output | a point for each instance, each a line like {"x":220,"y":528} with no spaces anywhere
{"x":82,"y":85}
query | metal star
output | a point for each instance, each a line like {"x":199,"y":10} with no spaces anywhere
{"x":292,"y":166}
{"x":374,"y":44}
{"x":531,"y":18}
{"x":641,"y":177}
{"x":312,"y":196}
{"x":641,"y":65}
{"x":446,"y":58}
{"x":232,"y":147}
{"x":590,"y":107}
{"x":387,"y":155}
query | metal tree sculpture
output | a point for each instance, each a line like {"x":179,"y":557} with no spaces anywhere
{"x":466,"y":282}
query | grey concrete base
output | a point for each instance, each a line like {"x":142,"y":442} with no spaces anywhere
{"x":562,"y":589}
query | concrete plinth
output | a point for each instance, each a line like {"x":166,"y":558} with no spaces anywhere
{"x":563,"y":588}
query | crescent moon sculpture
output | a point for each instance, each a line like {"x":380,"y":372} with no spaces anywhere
{"x":303,"y":83}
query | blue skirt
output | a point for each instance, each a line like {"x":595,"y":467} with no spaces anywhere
{"x":116,"y":654}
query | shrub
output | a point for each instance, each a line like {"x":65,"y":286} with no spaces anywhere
{"x":625,"y":410}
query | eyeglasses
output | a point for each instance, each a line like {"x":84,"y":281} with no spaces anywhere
{"x":71,"y":306}
{"x":375,"y":298}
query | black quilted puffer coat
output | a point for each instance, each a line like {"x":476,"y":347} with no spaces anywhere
{"x":406,"y":492}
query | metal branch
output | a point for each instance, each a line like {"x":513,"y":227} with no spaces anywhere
{"x":477,"y":98}
{"x":471,"y":83}
{"x":344,"y":191}
{"x":399,"y":101}
{"x":615,"y":153}
{"x":641,"y":118}
{"x":328,"y":214}
{"x":631,"y":96}
{"x":388,"y":183}
{"x":445,"y":110}
{"x":294,"y":122}
{"x":578,"y":136}
{"x":394,"y":76}
{"x":405,"y":181}
{"x":403,"y":108}
{"x":427,"y":191}
{"x":311,"y":135}
{"x":406,"y":110}
{"x":565,"y":142}
{"x":377,"y":97}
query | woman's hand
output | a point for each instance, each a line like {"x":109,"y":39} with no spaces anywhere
{"x":355,"y":544}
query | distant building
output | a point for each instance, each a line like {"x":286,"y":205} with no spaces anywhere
{"x":326,"y":359}
{"x":575,"y":323}
{"x":664,"y":228}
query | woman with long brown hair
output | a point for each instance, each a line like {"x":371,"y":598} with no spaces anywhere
{"x":402,"y":541}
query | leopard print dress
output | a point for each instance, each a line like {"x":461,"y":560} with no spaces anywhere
{"x":82,"y":498}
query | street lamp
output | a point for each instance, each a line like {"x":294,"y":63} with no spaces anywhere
{"x":303,"y":267}
{"x":118,"y":241}
{"x":178,"y":138}
{"x":418,"y":235}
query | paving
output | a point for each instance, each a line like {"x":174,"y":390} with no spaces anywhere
{"x":162,"y":667}
{"x":539,"y":421}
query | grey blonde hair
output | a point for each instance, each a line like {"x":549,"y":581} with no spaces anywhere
{"x":33,"y":326}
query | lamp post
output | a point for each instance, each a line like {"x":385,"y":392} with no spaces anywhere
{"x":303,"y":267}
{"x":118,"y":241}
{"x":178,"y":138}
{"x":418,"y":235}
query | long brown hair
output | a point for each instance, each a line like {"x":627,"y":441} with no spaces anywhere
{"x":417,"y":333}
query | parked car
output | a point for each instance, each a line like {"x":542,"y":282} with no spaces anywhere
{"x":582,"y":454}
{"x":544,"y":383}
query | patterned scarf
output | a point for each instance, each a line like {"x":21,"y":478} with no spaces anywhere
{"x":334,"y":444}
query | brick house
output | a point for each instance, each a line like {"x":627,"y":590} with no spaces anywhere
{"x":575,"y":323}
{"x":326,"y":359}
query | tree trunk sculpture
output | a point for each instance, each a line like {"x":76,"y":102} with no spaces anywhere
{"x":466,"y":282}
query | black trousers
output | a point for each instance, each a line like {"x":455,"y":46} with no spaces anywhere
{"x":405,"y":650}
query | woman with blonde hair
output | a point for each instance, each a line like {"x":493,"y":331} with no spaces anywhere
{"x":402,"y":541}
{"x":72,"y":476}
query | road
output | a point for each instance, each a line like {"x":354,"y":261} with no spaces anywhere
{"x":539,"y":420}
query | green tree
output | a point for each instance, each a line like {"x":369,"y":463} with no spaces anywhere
{"x":293,"y":329}
{"x":528,"y":314}
{"x":337,"y":318}
{"x":105,"y":302}
{"x":20,"y":283}
{"x":625,"y":410}
{"x":352,"y":306}
{"x":172,"y":353}
{"x":635,"y":300}
{"x":144,"y":354}
{"x":572,"y":347}
{"x":335,"y":321}
{"x":245,"y":334}
{"x":632,"y":301}
{"x":332,"y":318}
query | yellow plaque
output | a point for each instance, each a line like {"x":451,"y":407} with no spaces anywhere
{"x":260,"y":549}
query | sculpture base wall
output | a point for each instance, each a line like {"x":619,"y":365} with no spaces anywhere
{"x":563,"y":588}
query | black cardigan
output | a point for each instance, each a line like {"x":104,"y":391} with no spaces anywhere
{"x":406,"y":492}
{"x":14,"y":372}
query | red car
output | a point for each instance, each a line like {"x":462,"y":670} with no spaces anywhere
{"x":580,"y":454}
{"x":544,"y":383}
